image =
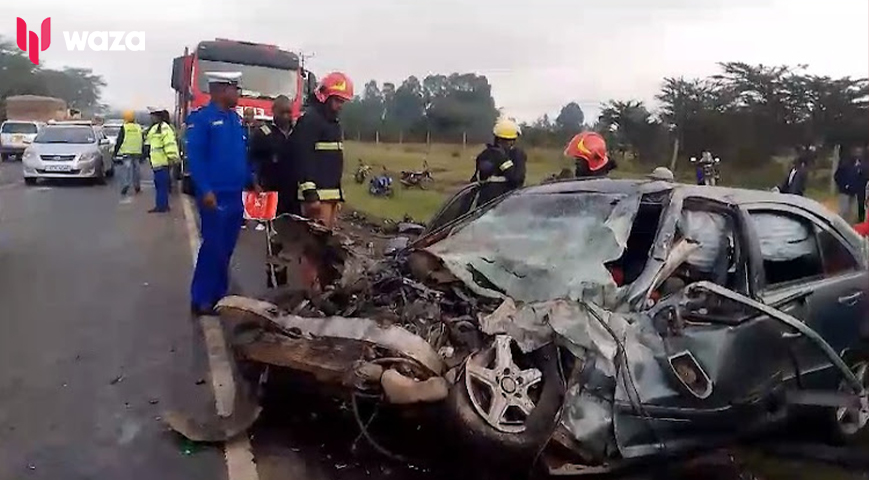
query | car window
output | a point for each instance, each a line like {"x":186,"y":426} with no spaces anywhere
{"x":788,"y":246}
{"x":19,"y":128}
{"x":460,"y":204}
{"x":70,"y":134}
{"x":837,"y":258}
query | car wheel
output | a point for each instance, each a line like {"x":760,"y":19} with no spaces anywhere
{"x":29,"y":181}
{"x":100,"y":178}
{"x":4,"y":157}
{"x":845,"y":425}
{"x":505,"y":404}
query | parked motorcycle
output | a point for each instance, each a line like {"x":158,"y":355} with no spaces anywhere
{"x":418,"y":179}
{"x":707,"y":169}
{"x":381,"y":185}
{"x":362,"y":172}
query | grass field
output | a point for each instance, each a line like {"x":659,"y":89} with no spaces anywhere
{"x":452,"y":166}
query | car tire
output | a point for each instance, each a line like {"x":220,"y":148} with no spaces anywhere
{"x":30,"y":181}
{"x":509,"y":450}
{"x":100,"y":179}
{"x":842,"y":424}
{"x":4,"y":157}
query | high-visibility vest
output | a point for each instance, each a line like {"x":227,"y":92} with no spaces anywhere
{"x":132,"y":140}
{"x":163,"y":146}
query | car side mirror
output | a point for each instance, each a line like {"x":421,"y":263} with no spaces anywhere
{"x":104,"y":141}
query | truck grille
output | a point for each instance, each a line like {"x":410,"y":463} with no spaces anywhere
{"x":58,"y":158}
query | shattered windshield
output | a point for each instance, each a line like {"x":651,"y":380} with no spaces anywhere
{"x":542,"y":247}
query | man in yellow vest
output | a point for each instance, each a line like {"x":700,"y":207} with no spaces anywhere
{"x":162,"y":151}
{"x":129,"y":146}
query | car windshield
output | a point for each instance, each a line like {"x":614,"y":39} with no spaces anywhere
{"x":112,"y":130}
{"x":536,"y":247}
{"x":257,"y":82}
{"x":70,"y":134}
{"x":18,"y":127}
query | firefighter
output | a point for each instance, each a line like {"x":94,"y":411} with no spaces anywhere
{"x":501,"y":166}
{"x":163,"y":152}
{"x":220,"y":172}
{"x":588,"y":150}
{"x":130,"y":146}
{"x":319,"y":152}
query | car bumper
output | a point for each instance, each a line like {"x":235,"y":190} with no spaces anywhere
{"x":80,"y":170}
{"x":13,"y":149}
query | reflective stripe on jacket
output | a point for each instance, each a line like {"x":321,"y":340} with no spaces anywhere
{"x":162,"y":144}
{"x":132,"y":142}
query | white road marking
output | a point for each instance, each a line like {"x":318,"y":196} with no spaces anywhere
{"x":240,"y":463}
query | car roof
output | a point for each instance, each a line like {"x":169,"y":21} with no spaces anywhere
{"x":740,"y":196}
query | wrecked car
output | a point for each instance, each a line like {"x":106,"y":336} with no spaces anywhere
{"x":594,"y":323}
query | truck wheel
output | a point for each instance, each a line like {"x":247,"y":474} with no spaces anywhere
{"x":506,"y":404}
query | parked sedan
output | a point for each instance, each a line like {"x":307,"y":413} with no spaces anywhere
{"x":68,"y":150}
{"x":598,"y":322}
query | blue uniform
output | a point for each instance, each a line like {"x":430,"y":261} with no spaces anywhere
{"x":217,"y":156}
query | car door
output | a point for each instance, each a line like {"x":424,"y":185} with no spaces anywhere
{"x":810,"y":272}
{"x":103,"y":145}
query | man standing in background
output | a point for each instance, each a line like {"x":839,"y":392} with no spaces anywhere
{"x":851,"y":177}
{"x":163,"y":152}
{"x":130,"y":145}
{"x":220,"y":172}
{"x":501,"y":166}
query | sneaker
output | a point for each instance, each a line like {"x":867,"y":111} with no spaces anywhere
{"x":260,"y":227}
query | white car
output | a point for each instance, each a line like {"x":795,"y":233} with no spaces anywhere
{"x":15,"y":135}
{"x":112,"y":129}
{"x":69,"y":150}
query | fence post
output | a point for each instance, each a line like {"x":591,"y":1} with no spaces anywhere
{"x":377,"y":137}
{"x":675,"y":155}
{"x":464,"y":141}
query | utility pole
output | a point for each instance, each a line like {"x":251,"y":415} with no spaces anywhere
{"x":303,"y":57}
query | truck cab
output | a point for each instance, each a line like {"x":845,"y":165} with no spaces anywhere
{"x":267,"y":72}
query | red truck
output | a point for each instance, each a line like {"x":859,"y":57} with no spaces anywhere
{"x":267,"y":71}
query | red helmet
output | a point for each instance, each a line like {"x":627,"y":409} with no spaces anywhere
{"x":336,"y":84}
{"x":589,"y":146}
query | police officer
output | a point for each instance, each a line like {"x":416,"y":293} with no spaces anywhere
{"x":220,"y":172}
{"x":501,"y":166}
{"x":130,"y":146}
{"x":319,"y":152}
{"x":589,"y":153}
{"x":163,"y":152}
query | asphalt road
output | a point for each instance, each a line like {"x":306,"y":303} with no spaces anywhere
{"x":95,"y":336}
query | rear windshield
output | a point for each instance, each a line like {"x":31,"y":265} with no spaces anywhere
{"x":18,"y":127}
{"x":70,"y":134}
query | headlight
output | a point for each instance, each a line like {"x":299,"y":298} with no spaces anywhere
{"x":29,"y":154}
{"x":90,"y":157}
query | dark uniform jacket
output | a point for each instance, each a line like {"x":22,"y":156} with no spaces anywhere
{"x":318,"y":149}
{"x":500,"y":171}
{"x":271,"y":153}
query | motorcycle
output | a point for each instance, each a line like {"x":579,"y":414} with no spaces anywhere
{"x":707,"y":170}
{"x":417,"y":178}
{"x":381,"y":186}
{"x":362,"y":172}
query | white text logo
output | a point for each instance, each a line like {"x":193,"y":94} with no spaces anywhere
{"x":105,"y":41}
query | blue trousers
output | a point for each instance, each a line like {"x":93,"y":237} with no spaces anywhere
{"x":220,"y":228}
{"x":161,"y":187}
{"x":131,"y":172}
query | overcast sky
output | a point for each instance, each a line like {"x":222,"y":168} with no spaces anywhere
{"x":538,"y":54}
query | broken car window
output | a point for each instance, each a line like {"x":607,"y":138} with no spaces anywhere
{"x":837,"y":258}
{"x":542,"y":247}
{"x":788,"y":247}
